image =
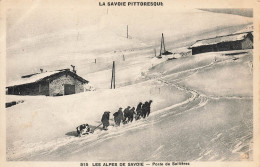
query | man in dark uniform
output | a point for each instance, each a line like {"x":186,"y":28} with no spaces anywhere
{"x":105,"y":120}
{"x":118,"y":116}
{"x":126,"y":114}
{"x":139,"y":111}
{"x":149,"y":107}
{"x":144,"y":109}
{"x":131,"y":114}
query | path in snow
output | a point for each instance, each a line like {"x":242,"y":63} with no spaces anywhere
{"x":199,"y":128}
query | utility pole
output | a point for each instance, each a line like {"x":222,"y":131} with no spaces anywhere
{"x":161,"y":48}
{"x":114,"y":74}
{"x":154,"y":52}
{"x":162,"y":45}
{"x":163,"y":42}
{"x":113,"y":79}
{"x":123,"y":57}
{"x":127,"y":31}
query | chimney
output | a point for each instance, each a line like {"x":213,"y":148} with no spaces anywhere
{"x":73,"y":69}
{"x":41,"y":70}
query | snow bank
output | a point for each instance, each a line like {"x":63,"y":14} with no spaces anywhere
{"x":231,"y":78}
{"x":46,"y":118}
{"x":46,"y":125}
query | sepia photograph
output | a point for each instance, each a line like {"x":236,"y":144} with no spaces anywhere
{"x":140,"y":82}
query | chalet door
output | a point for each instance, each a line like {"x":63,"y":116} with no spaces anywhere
{"x":69,"y":89}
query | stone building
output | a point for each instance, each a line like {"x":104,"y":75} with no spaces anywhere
{"x":53,"y":83}
{"x":236,"y":41}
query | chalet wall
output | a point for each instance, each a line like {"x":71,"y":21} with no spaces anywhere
{"x":44,"y":88}
{"x":224,"y":46}
{"x":247,"y":44}
{"x":235,"y":45}
{"x":56,"y":86}
{"x":30,"y":89}
{"x":202,"y":49}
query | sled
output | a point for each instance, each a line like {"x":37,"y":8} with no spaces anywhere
{"x":84,"y":132}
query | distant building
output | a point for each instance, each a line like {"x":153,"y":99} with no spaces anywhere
{"x":237,"y":41}
{"x":54,"y":83}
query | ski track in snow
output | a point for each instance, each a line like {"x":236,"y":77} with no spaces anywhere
{"x":100,"y":136}
{"x":76,"y":145}
{"x":193,"y":71}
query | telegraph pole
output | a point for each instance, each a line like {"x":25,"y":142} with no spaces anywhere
{"x":127,"y":31}
{"x":113,"y":79}
{"x":161,"y":47}
{"x":114,"y":74}
{"x":163,"y":42}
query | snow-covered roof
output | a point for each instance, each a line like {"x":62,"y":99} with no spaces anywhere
{"x":219,"y":39}
{"x":180,"y":50}
{"x":38,"y":77}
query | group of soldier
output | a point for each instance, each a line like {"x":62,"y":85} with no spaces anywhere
{"x":128,"y":115}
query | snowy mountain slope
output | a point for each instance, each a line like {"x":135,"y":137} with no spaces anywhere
{"x":192,"y":118}
{"x":81,"y":108}
{"x":89,"y":35}
{"x":179,"y":104}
